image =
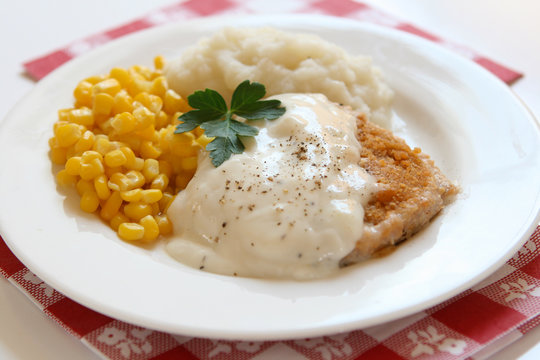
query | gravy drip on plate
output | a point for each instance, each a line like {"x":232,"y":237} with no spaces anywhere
{"x":290,"y":206}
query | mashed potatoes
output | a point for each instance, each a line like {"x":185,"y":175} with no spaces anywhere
{"x":284,"y":63}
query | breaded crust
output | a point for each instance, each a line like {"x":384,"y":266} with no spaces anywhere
{"x":411,"y":191}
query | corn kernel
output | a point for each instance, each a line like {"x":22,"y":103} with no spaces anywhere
{"x":155,"y":208}
{"x":130,"y":231}
{"x":118,"y":219}
{"x":138,"y":84}
{"x":82,"y":116}
{"x":182,"y":180}
{"x":159,"y":86}
{"x":172,"y":102}
{"x":110,"y":86}
{"x":63,"y":178}
{"x":204,"y":140}
{"x":144,"y":117}
{"x":164,"y":224}
{"x":151,"y":228}
{"x":103,"y":104}
{"x":95,"y":79}
{"x":120,"y":74}
{"x":124,"y":123}
{"x":189,"y":163}
{"x":115,"y":158}
{"x":160,"y":182}
{"x":146,"y":133}
{"x":92,"y":169}
{"x":134,"y":195}
{"x":150,"y":196}
{"x":73,"y":165}
{"x":159,"y":62}
{"x":85,"y":142}
{"x":136,"y":179}
{"x":102,"y":145}
{"x":119,"y":182}
{"x":152,"y":102}
{"x":84,"y":186}
{"x":122,"y":103}
{"x":149,"y":150}
{"x":58,"y":155}
{"x":102,"y":189}
{"x":165,"y":201}
{"x":137,"y":210}
{"x":110,"y":171}
{"x":83,"y":93}
{"x":111,"y":206}
{"x":90,"y":155}
{"x":150,"y":169}
{"x":89,"y":201}
{"x":68,"y":134}
{"x":165,"y":168}
{"x":63,"y":114}
{"x":162,"y":120}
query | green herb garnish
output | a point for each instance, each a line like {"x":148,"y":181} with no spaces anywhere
{"x":212,"y":115}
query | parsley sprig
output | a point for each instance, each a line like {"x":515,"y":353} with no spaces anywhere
{"x":212,"y":115}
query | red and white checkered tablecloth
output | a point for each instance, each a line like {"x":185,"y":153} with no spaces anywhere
{"x":474,"y":324}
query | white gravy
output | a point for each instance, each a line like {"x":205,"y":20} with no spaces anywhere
{"x":290,"y":206}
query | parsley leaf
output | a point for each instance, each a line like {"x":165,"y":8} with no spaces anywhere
{"x":211,"y":114}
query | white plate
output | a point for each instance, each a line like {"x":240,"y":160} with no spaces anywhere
{"x":469,"y":121}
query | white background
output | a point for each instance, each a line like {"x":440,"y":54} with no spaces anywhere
{"x":503,"y":30}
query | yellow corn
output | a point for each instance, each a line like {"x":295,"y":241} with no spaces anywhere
{"x":189,"y":163}
{"x":90,"y":155}
{"x":85,"y":142}
{"x":143,"y":117}
{"x":102,"y":189}
{"x":90,"y":170}
{"x":68,"y":134}
{"x":83,"y":93}
{"x":152,"y":102}
{"x":149,"y":150}
{"x":119,"y":150}
{"x":81,"y":116}
{"x":89,"y":201}
{"x":111,"y":206}
{"x":137,"y":210}
{"x":65,"y":179}
{"x":119,"y":182}
{"x":118,"y":219}
{"x":136,"y":178}
{"x":164,"y":224}
{"x":160,"y":182}
{"x":124,"y":123}
{"x":84,"y":186}
{"x":204,"y":140}
{"x":58,"y":155}
{"x":120,"y":74}
{"x":115,"y":158}
{"x":165,"y":201}
{"x":130,"y":231}
{"x":150,"y":169}
{"x":108,"y":86}
{"x":134,"y":195}
{"x":150,"y":196}
{"x":159,"y":86}
{"x":122,"y":103}
{"x":151,"y":228}
{"x":73,"y":165}
{"x":103,"y":104}
{"x":159,"y":62}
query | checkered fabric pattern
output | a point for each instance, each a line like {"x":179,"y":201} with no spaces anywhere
{"x":473,"y":324}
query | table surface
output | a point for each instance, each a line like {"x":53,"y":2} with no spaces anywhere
{"x":504,"y":30}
